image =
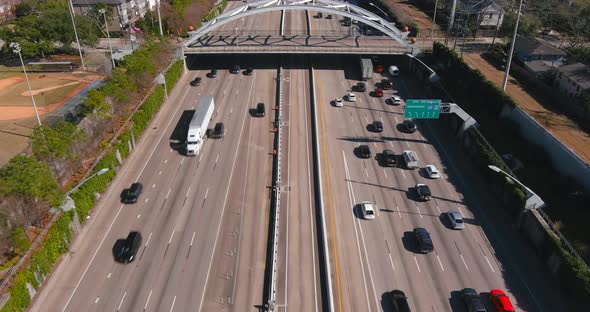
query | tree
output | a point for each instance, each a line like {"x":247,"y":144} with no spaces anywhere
{"x":20,"y":241}
{"x":23,"y":9}
{"x":95,"y":103}
{"x":579,"y":28}
{"x":25,"y":177}
{"x":50,"y":144}
{"x":26,"y":32}
{"x":528,"y":26}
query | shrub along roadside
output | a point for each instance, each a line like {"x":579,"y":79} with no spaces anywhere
{"x":59,"y":236}
{"x":484,"y":101}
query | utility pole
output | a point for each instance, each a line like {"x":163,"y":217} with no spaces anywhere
{"x":453,"y":7}
{"x":434,"y":20}
{"x":106,"y":26}
{"x":512,"y":47}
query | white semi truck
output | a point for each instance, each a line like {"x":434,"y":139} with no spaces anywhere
{"x":198,"y":126}
{"x":366,"y":69}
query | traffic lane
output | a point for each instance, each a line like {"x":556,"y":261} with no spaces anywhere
{"x":349,"y":282}
{"x":106,"y":223}
{"x":204,"y":210}
{"x":302,"y":278}
{"x":163,"y":163}
{"x":236,"y":257}
{"x":446,"y":197}
{"x":509,"y":246}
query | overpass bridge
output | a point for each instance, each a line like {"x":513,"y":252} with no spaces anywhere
{"x":214,"y":37}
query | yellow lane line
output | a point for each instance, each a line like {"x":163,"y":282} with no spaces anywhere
{"x":325,"y":149}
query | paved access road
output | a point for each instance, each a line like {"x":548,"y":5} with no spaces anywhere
{"x":369,"y":258}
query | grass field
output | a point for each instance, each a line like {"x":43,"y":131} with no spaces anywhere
{"x":18,"y":93}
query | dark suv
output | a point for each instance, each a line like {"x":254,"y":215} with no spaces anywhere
{"x":218,"y":131}
{"x":360,"y":87}
{"x":386,"y":84}
{"x":212,"y":73}
{"x":377,"y":126}
{"x":249,"y":71}
{"x":423,"y":240}
{"x":389,"y":158}
{"x":423,"y":192}
{"x":126,"y":251}
{"x":235,"y":69}
{"x":399,"y":301}
{"x":364,"y":151}
{"x":472,"y":300}
{"x":260,"y":110}
{"x":131,"y":194}
{"x":196,"y":82}
{"x":408,"y":126}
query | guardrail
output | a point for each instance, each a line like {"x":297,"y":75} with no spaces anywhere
{"x":272,"y":251}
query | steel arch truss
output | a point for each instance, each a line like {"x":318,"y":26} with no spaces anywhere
{"x":325,"y":6}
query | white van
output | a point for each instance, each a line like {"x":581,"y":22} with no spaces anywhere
{"x":411,"y":159}
{"x":393,"y":70}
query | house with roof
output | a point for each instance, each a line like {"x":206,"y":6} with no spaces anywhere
{"x":573,"y":79}
{"x":537,"y":56}
{"x":489,"y":14}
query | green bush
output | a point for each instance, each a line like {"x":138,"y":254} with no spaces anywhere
{"x":20,"y":241}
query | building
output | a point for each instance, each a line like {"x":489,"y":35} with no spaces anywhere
{"x":7,"y":9}
{"x":489,"y":14}
{"x":573,"y":79}
{"x":125,"y":12}
{"x":537,"y":56}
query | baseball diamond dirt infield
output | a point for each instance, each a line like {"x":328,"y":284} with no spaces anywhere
{"x":17,"y":116}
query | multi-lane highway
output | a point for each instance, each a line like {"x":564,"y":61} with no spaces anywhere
{"x":205,"y":219}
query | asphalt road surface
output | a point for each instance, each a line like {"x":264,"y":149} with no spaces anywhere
{"x":372,"y":257}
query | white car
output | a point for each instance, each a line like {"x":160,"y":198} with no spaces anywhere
{"x":368,"y":210}
{"x":396,"y":100}
{"x":456,"y":219}
{"x":432,"y":172}
{"x":351,"y":97}
{"x":338,"y":102}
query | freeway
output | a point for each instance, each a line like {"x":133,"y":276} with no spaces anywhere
{"x":373,"y":257}
{"x":203,"y":218}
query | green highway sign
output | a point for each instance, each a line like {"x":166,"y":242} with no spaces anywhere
{"x":422,"y":109}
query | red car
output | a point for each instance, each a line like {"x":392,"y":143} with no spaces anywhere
{"x":501,"y":301}
{"x":379,"y":92}
{"x":379,"y":68}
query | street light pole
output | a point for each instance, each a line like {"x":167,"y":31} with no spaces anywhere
{"x":533,"y":201}
{"x":16,"y":48}
{"x":99,"y":172}
{"x":71,"y":7}
{"x":512,"y":47}
{"x":434,"y":20}
{"x":160,"y":19}
{"x":106,"y":27}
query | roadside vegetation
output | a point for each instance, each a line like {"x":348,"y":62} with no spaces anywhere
{"x":121,"y":108}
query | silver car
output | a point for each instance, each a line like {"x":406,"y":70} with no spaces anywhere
{"x":368,"y":210}
{"x":456,"y":219}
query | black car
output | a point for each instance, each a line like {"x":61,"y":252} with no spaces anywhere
{"x":386,"y":84}
{"x":126,"y":250}
{"x":249,"y":71}
{"x":360,"y":87}
{"x":218,"y":130}
{"x":329,"y":16}
{"x":196,"y":82}
{"x":472,"y":300}
{"x":235,"y":69}
{"x":260,"y":110}
{"x":389,"y":158}
{"x":408,"y":126}
{"x":212,"y":73}
{"x":377,"y":126}
{"x":423,"y":240}
{"x":399,"y":301}
{"x":423,"y":192}
{"x":364,"y":151}
{"x":131,"y":194}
